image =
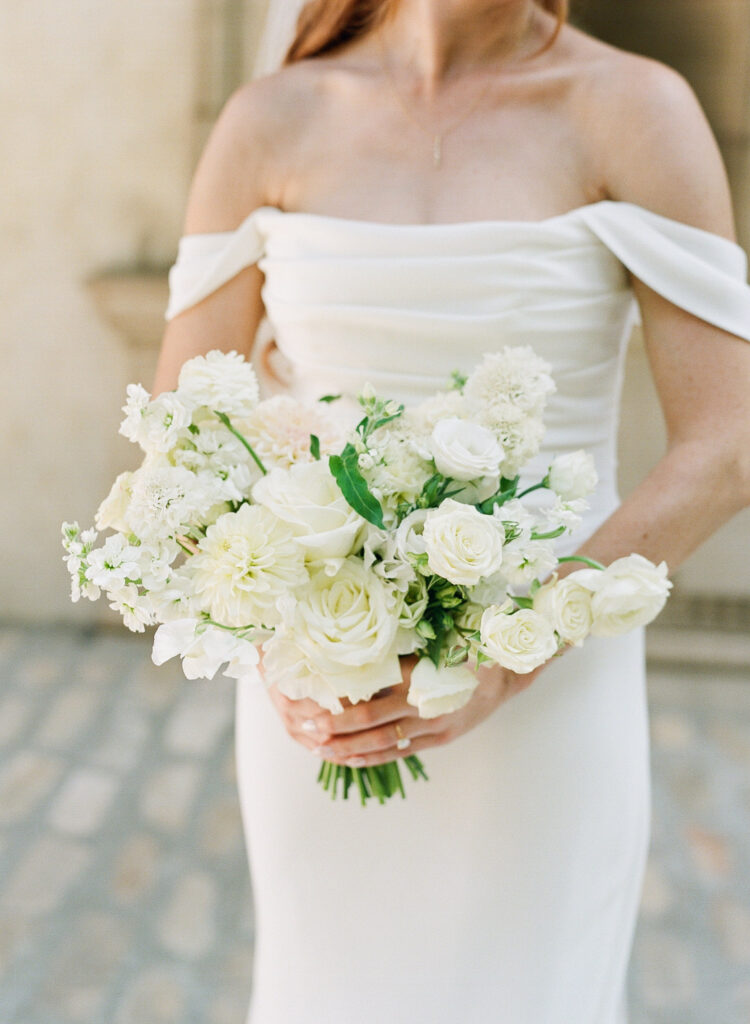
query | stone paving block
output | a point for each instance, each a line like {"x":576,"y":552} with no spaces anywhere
{"x":49,"y":867}
{"x":667,"y":971}
{"x":24,"y":780}
{"x":70,"y":714}
{"x":124,"y":735}
{"x":38,"y":671}
{"x":228,"y":1008}
{"x":136,"y":867}
{"x":168,"y":794}
{"x":17,"y":934}
{"x":671,"y":731}
{"x":731,"y":920}
{"x":188,"y":925}
{"x":155,"y":996}
{"x":658,"y":894}
{"x":158,"y":687}
{"x":80,"y":975}
{"x":83,"y":801}
{"x":711,"y":854}
{"x":199,"y":720}
{"x":220,"y":830}
{"x":15,"y":709}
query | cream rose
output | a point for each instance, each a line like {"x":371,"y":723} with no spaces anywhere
{"x":629,"y":593}
{"x":462,"y":545}
{"x":520,"y":641}
{"x":573,"y":475}
{"x":465,"y":450}
{"x":567,"y":605}
{"x":308,"y":498}
{"x":439,"y":691}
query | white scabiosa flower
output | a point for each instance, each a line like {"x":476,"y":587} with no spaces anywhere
{"x":219,"y":380}
{"x":514,"y":375}
{"x":154,"y":425}
{"x":279,"y":430}
{"x":462,"y":545}
{"x":246,"y":561}
{"x":518,"y":640}
{"x":573,"y":475}
{"x":440,"y":691}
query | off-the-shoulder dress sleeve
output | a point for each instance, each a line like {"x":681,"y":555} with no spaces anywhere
{"x":697,"y":270}
{"x":207,"y":261}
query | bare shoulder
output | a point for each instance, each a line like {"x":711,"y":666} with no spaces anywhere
{"x":654,"y":145}
{"x":241,"y":166}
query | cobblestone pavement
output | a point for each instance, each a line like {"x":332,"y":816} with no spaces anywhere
{"x":125,"y":896}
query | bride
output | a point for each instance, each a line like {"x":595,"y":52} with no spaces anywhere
{"x":421,"y":182}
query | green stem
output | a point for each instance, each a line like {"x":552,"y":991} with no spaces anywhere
{"x":360,"y":780}
{"x":375,"y":784}
{"x":580,"y":558}
{"x":536,"y":487}
{"x":243,"y":440}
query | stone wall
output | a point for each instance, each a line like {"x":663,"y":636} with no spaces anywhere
{"x":106,"y":108}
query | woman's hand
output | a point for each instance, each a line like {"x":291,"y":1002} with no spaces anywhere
{"x":369,"y":733}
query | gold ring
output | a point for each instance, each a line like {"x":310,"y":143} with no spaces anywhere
{"x":403,"y":741}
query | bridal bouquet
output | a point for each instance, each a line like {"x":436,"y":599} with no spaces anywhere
{"x":261,"y":525}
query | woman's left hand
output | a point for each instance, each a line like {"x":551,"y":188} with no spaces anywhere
{"x":369,"y":733}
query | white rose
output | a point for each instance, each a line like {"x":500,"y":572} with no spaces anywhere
{"x":341,"y":630}
{"x":567,"y":605}
{"x":520,"y":641}
{"x":629,"y":593}
{"x":307,"y":497}
{"x":247,"y":560}
{"x":439,"y":691}
{"x":464,"y":450}
{"x":573,"y":475}
{"x":462,"y":545}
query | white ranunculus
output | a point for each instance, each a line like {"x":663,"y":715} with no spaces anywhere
{"x":629,"y":593}
{"x":567,"y":605}
{"x":111,"y":514}
{"x":279,"y":430}
{"x":439,"y":691}
{"x":222,"y":381}
{"x":520,"y":641}
{"x":337,"y":639}
{"x":462,"y":545}
{"x":308,"y":499}
{"x":464,"y":450}
{"x":246,"y":561}
{"x":573,"y":475}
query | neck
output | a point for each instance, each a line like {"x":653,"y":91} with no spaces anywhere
{"x":437,"y":40}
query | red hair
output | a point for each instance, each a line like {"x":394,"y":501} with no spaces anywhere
{"x":325,"y":24}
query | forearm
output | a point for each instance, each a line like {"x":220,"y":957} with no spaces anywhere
{"x":692,"y":491}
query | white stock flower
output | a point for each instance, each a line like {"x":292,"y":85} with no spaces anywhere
{"x":464,"y":450}
{"x":573,"y":475}
{"x":629,"y":593}
{"x":337,"y":639}
{"x":114,"y":563}
{"x":246,"y":561}
{"x":399,"y":470}
{"x":279,"y":430}
{"x":135,"y":608}
{"x":308,"y":499}
{"x":439,"y":691}
{"x":223,"y":381}
{"x":565,"y":513}
{"x":567,"y":605}
{"x":519,"y":641}
{"x":112,"y":513}
{"x":462,"y":545}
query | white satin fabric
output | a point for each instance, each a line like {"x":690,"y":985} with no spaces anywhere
{"x":506,"y":889}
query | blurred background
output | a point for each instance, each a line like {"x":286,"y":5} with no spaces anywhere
{"x":126,"y":894}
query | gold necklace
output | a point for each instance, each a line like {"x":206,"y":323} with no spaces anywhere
{"x":437,"y":137}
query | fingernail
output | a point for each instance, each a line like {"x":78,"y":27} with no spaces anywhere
{"x":356,"y":762}
{"x":309,"y":725}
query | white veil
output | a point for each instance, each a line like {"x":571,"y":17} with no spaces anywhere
{"x":277,"y":34}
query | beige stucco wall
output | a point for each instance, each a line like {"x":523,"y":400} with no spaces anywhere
{"x":105,"y":107}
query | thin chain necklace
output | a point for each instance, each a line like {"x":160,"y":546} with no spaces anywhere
{"x":437,"y":136}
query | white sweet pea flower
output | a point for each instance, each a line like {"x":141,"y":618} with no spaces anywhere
{"x":204,"y":649}
{"x":308,"y":499}
{"x":440,"y":691}
{"x":519,"y":641}
{"x":222,"y":381}
{"x":462,"y":545}
{"x":567,"y":605}
{"x":246,"y":561}
{"x":573,"y":475}
{"x":465,"y":450}
{"x":629,"y":593}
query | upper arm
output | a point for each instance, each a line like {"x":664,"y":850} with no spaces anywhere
{"x":232,"y":178}
{"x":662,"y":155}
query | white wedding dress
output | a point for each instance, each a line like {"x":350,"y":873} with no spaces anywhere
{"x":505,"y":889}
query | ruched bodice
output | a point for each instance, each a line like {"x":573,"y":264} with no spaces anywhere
{"x":404,"y":305}
{"x":506,"y":888}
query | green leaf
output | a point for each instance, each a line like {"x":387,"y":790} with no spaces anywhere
{"x":315,"y":446}
{"x":329,"y":398}
{"x":353,"y":486}
{"x":524,"y":602}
